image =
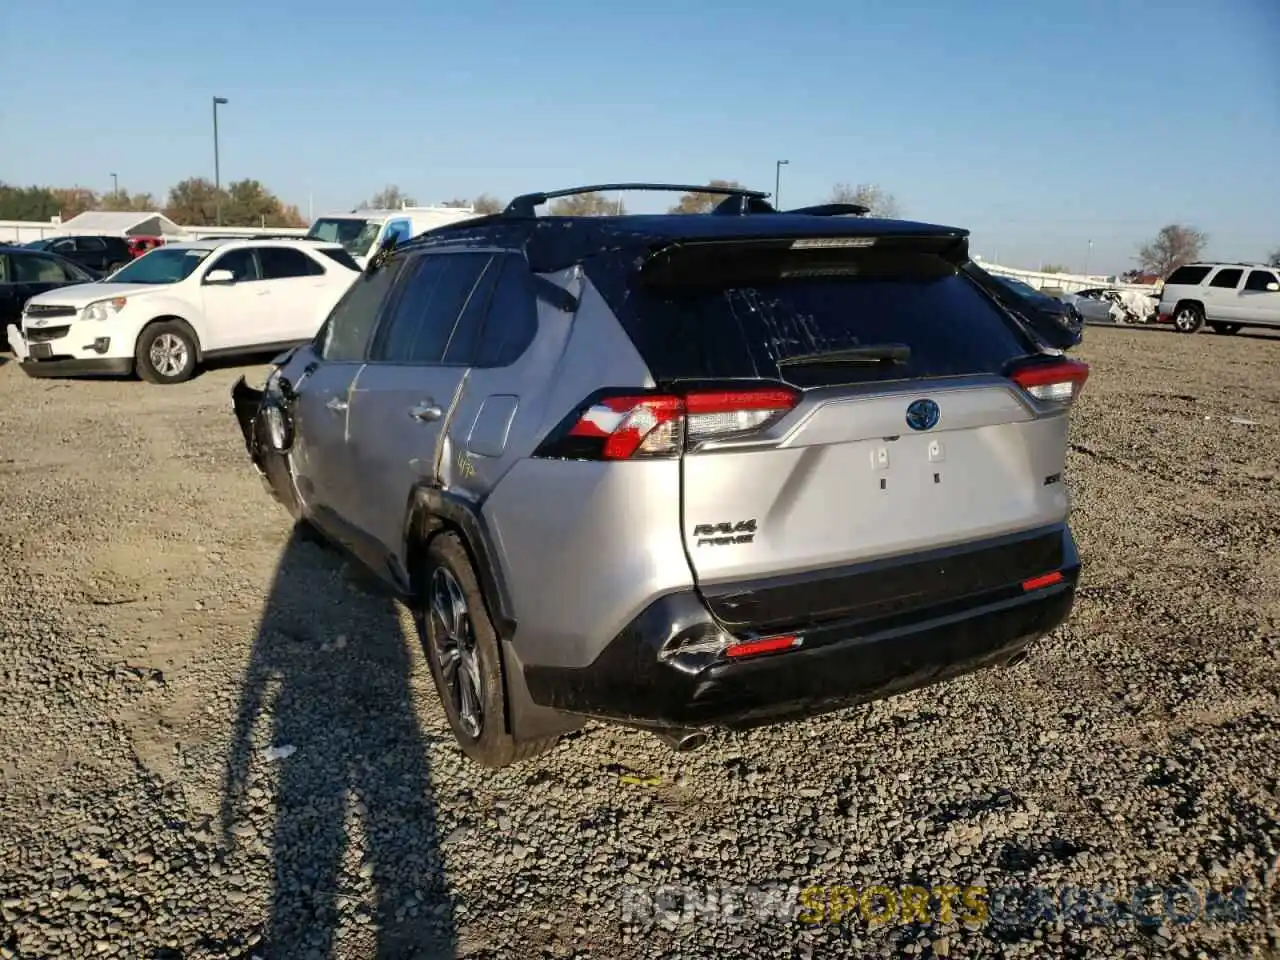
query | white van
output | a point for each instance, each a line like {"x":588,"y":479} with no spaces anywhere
{"x":362,"y":231}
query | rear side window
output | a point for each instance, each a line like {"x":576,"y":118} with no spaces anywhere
{"x":341,"y":257}
{"x":281,"y":263}
{"x":948,"y":325}
{"x":1230,"y":279}
{"x":1189,"y":276}
{"x":512,"y":319}
{"x":427,"y":306}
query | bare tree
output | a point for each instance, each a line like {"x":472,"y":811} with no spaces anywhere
{"x":1175,"y":245}
{"x":456,"y":202}
{"x":1274,"y":258}
{"x":871,"y":195}
{"x":1052,"y":268}
{"x":702,"y":202}
{"x":486,"y":204}
{"x":389,"y":197}
{"x":588,"y":205}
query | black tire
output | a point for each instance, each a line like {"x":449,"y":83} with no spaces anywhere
{"x":1188,"y":318}
{"x":1227,"y":329}
{"x":447,"y":582}
{"x":171,"y":340}
{"x":113,"y":267}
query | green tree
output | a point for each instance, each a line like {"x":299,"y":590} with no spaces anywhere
{"x":588,"y":205}
{"x":194,"y":202}
{"x":702,"y":202}
{"x":1052,"y":268}
{"x":124,"y":201}
{"x":27,"y":203}
{"x":880,"y":202}
{"x":245,"y":203}
{"x":1175,"y":245}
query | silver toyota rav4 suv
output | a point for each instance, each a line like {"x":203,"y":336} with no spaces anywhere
{"x":683,"y":472}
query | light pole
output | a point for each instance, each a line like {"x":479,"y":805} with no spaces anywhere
{"x":777,"y":182}
{"x":217,"y":172}
{"x":115,"y":185}
{"x":1087,"y":258}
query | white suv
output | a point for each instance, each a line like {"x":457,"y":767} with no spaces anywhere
{"x":167,"y":311}
{"x":1227,"y":296}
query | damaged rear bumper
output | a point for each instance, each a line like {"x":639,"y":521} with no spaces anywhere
{"x":643,"y":679}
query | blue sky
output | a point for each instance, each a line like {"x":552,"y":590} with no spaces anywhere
{"x":1039,"y":126}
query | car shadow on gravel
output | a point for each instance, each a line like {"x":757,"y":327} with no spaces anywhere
{"x":347,"y":818}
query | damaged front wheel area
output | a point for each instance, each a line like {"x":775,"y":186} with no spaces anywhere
{"x":264,"y":421}
{"x":267,"y":426}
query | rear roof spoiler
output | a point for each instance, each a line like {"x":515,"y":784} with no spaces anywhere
{"x":738,"y":201}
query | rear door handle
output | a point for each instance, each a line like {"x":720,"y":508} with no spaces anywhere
{"x":426,"y":411}
{"x":336,"y":404}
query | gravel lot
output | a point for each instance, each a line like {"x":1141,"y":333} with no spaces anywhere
{"x":162,"y":630}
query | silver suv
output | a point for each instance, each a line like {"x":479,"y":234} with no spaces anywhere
{"x":1227,"y":296}
{"x":681,"y":472}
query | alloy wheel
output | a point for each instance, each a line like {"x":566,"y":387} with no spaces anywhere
{"x":453,"y":640}
{"x":168,"y":354}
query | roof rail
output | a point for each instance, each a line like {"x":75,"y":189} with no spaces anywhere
{"x":525,"y":205}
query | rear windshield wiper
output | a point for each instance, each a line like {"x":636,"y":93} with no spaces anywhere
{"x":869,"y":356}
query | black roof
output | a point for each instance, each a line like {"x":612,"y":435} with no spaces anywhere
{"x":553,"y":243}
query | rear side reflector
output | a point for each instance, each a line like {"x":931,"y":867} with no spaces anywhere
{"x":1058,"y":382}
{"x":1038,"y":583}
{"x":750,"y":648}
{"x":627,"y":426}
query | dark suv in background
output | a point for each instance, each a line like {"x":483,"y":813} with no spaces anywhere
{"x":103,"y":254}
{"x":24,"y":273}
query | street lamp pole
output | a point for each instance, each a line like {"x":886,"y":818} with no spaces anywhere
{"x":115,"y":185}
{"x":1088,"y":257}
{"x":217,"y":172}
{"x":777,"y":182}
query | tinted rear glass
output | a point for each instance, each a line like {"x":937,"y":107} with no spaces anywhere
{"x":1188,"y":275}
{"x":342,"y":257}
{"x":950,"y":327}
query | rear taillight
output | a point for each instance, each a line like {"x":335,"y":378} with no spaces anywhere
{"x":1058,"y":382}
{"x":638,"y":426}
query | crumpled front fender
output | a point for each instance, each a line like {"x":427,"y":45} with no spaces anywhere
{"x":246,"y":402}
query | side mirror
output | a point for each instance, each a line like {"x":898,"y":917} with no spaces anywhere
{"x":385,"y":246}
{"x":219,"y":276}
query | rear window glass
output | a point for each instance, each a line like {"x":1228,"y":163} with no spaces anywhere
{"x":342,"y":257}
{"x":1188,"y":275}
{"x":949,"y":327}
